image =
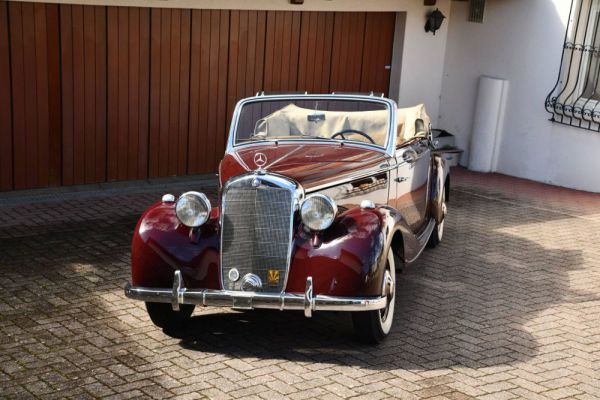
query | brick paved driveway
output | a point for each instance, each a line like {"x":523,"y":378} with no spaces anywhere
{"x":508,"y":306}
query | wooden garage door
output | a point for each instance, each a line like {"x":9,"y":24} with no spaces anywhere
{"x":92,"y":93}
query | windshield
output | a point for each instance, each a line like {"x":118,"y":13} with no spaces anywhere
{"x":330,"y":119}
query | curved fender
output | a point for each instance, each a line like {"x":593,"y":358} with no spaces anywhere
{"x":349,"y":258}
{"x":440,"y":172}
{"x":161,"y":245}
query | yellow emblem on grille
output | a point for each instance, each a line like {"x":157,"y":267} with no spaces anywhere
{"x":273,"y":277}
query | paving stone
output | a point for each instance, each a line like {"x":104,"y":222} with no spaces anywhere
{"x":506,"y":307}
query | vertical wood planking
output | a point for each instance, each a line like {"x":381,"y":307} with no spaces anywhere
{"x":6,"y":145}
{"x":154,"y":128}
{"x":18,"y":95}
{"x":112,"y":112}
{"x":246,"y":57}
{"x":78,"y":96}
{"x":94,"y":93}
{"x":144,"y":93}
{"x":89,"y":94}
{"x":128,"y":91}
{"x":100,"y":93}
{"x":122,"y":78}
{"x":213,"y":71}
{"x":184,"y":92}
{"x":199,"y":96}
{"x":379,"y":42}
{"x":31,"y":104}
{"x":54,"y":95}
{"x":66,"y":37}
{"x":221,"y":75}
{"x":314,"y":64}
{"x":31,"y":48}
{"x":194,"y":134}
{"x":132,"y":151}
{"x":210,"y":42}
{"x":347,"y":51}
{"x":282,"y":50}
{"x":169,"y":94}
{"x":83,"y":60}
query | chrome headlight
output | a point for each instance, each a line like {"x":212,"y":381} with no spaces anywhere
{"x":192,"y":209}
{"x":318,"y":211}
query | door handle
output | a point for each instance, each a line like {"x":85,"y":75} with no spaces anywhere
{"x":410,"y":156}
{"x":401,"y":179}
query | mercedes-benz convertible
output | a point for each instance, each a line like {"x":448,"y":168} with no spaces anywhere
{"x":321,"y":199}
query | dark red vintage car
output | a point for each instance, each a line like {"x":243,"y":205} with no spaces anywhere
{"x":322,"y":197}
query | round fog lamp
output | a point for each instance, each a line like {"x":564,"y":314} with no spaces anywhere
{"x":192,"y":209}
{"x":318,"y":212}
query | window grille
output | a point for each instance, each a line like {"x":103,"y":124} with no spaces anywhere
{"x":476,"y":10}
{"x":575,"y":98}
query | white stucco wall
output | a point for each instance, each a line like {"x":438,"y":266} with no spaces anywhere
{"x":520,"y":41}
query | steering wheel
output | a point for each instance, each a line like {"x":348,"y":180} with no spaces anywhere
{"x":354,"y":131}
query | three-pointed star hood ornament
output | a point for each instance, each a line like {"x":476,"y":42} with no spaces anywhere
{"x":260,"y":160}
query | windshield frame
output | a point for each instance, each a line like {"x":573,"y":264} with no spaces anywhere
{"x":389,"y":104}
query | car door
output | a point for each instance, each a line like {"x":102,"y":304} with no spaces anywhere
{"x":411,"y":181}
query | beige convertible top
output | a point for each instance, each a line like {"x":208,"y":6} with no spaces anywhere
{"x":292,"y":120}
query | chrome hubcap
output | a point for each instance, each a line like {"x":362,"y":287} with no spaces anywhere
{"x":440,"y":226}
{"x":389,"y":293}
{"x":386,"y":315}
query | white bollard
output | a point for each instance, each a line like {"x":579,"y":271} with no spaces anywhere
{"x":487,"y":124}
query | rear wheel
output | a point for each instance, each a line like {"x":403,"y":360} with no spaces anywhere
{"x":438,"y":231}
{"x":373,"y":326}
{"x":163,"y":315}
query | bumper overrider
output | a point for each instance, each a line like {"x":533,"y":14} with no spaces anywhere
{"x":249,"y":300}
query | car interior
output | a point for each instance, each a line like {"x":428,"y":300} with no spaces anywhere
{"x":361,"y":126}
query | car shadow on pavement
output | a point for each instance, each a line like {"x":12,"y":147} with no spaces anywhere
{"x":468,"y":302}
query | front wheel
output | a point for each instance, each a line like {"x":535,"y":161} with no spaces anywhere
{"x":163,"y":315}
{"x":373,"y":326}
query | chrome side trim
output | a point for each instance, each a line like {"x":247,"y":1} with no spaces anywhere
{"x":306,"y":302}
{"x":365,"y":174}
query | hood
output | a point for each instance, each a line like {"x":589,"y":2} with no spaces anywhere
{"x":309,"y":164}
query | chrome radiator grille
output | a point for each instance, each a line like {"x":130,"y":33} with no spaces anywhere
{"x":256,"y":235}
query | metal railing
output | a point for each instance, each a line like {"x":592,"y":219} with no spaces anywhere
{"x":575,"y":98}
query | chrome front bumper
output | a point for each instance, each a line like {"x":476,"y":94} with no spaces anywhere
{"x":249,"y":300}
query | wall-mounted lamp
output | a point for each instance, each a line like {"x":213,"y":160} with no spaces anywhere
{"x":434,"y":21}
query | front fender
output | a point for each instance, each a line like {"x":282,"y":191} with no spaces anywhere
{"x":349,"y":258}
{"x":161,"y":245}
